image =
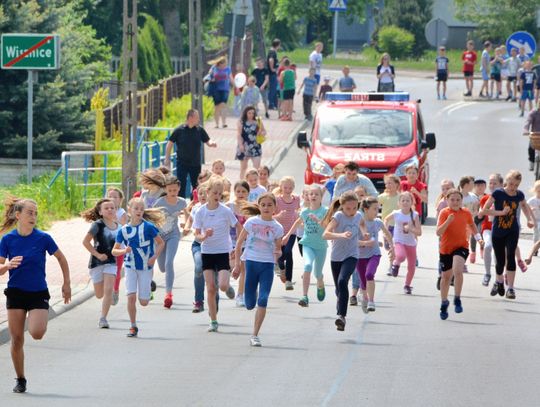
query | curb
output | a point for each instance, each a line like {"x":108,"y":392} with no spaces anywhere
{"x":55,"y":310}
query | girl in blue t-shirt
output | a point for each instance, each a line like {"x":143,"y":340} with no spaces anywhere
{"x":23,"y":254}
{"x":262,"y":235}
{"x":142,"y":246}
{"x":314,"y":247}
{"x":102,"y":264}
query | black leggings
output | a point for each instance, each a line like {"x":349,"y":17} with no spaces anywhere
{"x":285,"y":262}
{"x":342,"y":271}
{"x":505,"y":252}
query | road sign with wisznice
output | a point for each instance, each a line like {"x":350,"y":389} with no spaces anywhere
{"x":337,"y":5}
{"x":30,"y":51}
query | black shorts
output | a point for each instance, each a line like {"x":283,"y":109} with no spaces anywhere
{"x":496,"y":77}
{"x":216,"y":262}
{"x":446,"y":260}
{"x":442,"y":76}
{"x":512,"y":78}
{"x":468,"y":74}
{"x":220,"y":96}
{"x":288,"y":94}
{"x":26,"y":300}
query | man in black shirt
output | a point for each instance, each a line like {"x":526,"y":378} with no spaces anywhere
{"x":261,"y":81}
{"x":272,"y":66}
{"x":189,"y":139}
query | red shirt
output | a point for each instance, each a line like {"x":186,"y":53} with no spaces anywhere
{"x":420,"y":186}
{"x":469,"y":56}
{"x":486,"y":224}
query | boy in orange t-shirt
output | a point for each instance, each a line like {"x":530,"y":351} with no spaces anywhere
{"x":454,"y":226}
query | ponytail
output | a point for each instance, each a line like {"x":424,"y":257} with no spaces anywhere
{"x":153,"y":215}
{"x":334,"y":207}
{"x":12,"y":206}
{"x":92,"y":214}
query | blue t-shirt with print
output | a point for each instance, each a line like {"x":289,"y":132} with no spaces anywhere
{"x":141,"y":240}
{"x":309,"y":86}
{"x":528,"y":78}
{"x":30,"y":275}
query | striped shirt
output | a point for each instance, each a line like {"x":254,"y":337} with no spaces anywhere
{"x":290,"y":215}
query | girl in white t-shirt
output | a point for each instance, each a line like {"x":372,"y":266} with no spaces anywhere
{"x":407,"y":228}
{"x":212,"y":224}
{"x":262,"y":235}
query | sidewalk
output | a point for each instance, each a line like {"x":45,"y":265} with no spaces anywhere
{"x":69,"y":234}
{"x":280,"y":136}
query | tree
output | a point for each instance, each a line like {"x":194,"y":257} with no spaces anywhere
{"x":411,"y":15}
{"x":153,"y":53}
{"x":60,"y":97}
{"x":497,"y":20}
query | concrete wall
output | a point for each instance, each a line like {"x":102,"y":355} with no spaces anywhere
{"x":13,"y":170}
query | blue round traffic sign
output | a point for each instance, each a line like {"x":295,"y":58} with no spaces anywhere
{"x":521,"y":39}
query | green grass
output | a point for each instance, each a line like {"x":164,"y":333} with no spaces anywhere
{"x":370,"y":58}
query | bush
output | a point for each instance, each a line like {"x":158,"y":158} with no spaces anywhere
{"x":396,"y":41}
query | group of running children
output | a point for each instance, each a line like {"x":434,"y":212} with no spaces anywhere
{"x":254,"y":230}
{"x":515,"y":67}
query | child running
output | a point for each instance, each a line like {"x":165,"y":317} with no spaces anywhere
{"x":407,"y":229}
{"x":172,"y":207}
{"x":471,"y":202}
{"x":99,"y":241}
{"x":241,"y":192}
{"x":264,"y":177}
{"x":370,"y":252}
{"x":314,"y":247}
{"x":343,"y":228}
{"x":153,"y":182}
{"x":117,"y":196}
{"x":389,"y":202}
{"x":262,"y":235}
{"x":255,"y":189}
{"x":360,"y":193}
{"x":212,"y":224}
{"x":23,"y":255}
{"x":140,"y":243}
{"x":453,"y":227}
{"x":287,"y":205}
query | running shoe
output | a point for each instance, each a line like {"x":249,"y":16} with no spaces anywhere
{"x":438,"y":283}
{"x":438,"y":97}
{"x":485,"y":281}
{"x":511,"y":294}
{"x":353,"y":301}
{"x":103,"y":323}
{"x":213,"y":327}
{"x":255,"y":341}
{"x":240,"y":301}
{"x":444,"y":309}
{"x":198,"y":306}
{"x":153,"y":286}
{"x":167,"y":302}
{"x":321,"y":293}
{"x":115,"y":297}
{"x":340,"y":323}
{"x":151,"y":296}
{"x":457,"y":305}
{"x":473,"y":257}
{"x":444,"y":97}
{"x":522,"y":266}
{"x":500,"y":289}
{"x":371,"y":306}
{"x":494,"y":289}
{"x":395,"y":270}
{"x":230,"y":292}
{"x":20,"y":387}
{"x":289,"y":285}
{"x":365,"y":306}
{"x":304,"y":301}
{"x":407,"y":289}
{"x":133,"y":332}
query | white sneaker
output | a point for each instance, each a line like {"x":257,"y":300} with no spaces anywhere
{"x":531,"y":166}
{"x":240,"y":301}
{"x":365,"y":306}
{"x":289,"y":285}
{"x":371,"y":306}
{"x":115,"y":297}
{"x":103,"y":323}
{"x":255,"y":341}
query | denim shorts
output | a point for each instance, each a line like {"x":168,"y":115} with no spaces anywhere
{"x":220,"y":96}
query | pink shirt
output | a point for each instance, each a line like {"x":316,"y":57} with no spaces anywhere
{"x":288,"y":218}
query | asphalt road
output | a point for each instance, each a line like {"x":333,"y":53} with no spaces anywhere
{"x":400,"y":355}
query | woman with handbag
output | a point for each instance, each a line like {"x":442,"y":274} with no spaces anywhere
{"x":250,"y":135}
{"x":220,"y":76}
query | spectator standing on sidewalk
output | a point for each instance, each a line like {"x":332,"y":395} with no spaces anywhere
{"x":385,"y":75}
{"x":251,"y":95}
{"x":346,"y":83}
{"x":221,"y":76}
{"x":315,"y":60}
{"x":484,"y":69}
{"x":325,"y":88}
{"x":513,"y":64}
{"x":272,"y":66}
{"x":288,"y":78}
{"x":441,"y":62}
{"x":262,"y":77}
{"x":249,"y":130}
{"x":469,"y":58}
{"x":532,"y":125}
{"x":310,"y":90}
{"x":189,"y":139}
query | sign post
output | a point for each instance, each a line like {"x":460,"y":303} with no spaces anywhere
{"x":336,"y":6}
{"x":31,"y":52}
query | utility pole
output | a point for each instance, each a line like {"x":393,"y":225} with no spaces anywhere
{"x":196,"y":54}
{"x":129,"y":98}
{"x":257,"y":21}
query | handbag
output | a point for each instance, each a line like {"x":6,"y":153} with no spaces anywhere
{"x":261,"y":138}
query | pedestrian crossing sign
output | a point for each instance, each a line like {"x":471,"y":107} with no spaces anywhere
{"x":337,"y":5}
